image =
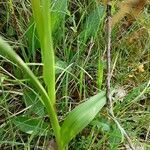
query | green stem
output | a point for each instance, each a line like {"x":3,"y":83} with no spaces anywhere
{"x":42,"y":16}
{"x":49,"y":58}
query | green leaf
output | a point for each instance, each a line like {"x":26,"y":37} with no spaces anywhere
{"x":7,"y":52}
{"x":32,"y":100}
{"x":31,"y":126}
{"x":100,"y":73}
{"x":92,"y":24}
{"x":32,"y":38}
{"x":115,"y":137}
{"x":60,"y":66}
{"x":59,"y":10}
{"x":81,"y":116}
{"x":101,"y":125}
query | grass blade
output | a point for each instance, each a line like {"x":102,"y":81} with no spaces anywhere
{"x":100,"y":73}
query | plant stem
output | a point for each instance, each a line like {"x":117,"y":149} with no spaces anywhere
{"x":108,"y":32}
{"x":42,"y":16}
{"x":108,"y":80}
{"x":48,"y":51}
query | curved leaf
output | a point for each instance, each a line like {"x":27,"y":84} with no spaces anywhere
{"x":92,"y":24}
{"x":59,"y":10}
{"x":8,"y":52}
{"x":31,"y":125}
{"x":81,"y":116}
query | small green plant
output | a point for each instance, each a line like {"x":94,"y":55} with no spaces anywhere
{"x":79,"y":117}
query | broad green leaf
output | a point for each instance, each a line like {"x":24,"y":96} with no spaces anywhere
{"x":31,"y":126}
{"x":60,"y":66}
{"x":59,"y":10}
{"x":81,"y":116}
{"x":92,"y":24}
{"x":32,"y":100}
{"x":101,"y":125}
{"x":32,"y":38}
{"x":115,"y":137}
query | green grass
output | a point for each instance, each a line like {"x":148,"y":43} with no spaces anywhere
{"x":79,"y":73}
